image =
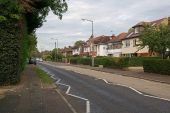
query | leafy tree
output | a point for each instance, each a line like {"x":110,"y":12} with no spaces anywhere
{"x":58,"y":55}
{"x":79,"y":43}
{"x":156,"y":38}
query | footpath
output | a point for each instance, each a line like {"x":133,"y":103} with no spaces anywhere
{"x":159,"y":88}
{"x":30,"y":96}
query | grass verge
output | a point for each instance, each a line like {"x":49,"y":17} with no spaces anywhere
{"x":43,"y":76}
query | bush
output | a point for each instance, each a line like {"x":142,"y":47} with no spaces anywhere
{"x":14,"y":51}
{"x":78,"y":60}
{"x":138,"y":61}
{"x":109,"y":62}
{"x":157,"y":66}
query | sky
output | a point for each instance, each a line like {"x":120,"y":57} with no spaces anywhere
{"x":109,"y":16}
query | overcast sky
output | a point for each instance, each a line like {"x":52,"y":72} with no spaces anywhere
{"x":109,"y":16}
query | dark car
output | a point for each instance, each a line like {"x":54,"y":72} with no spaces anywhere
{"x":32,"y":61}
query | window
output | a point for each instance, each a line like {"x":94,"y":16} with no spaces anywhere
{"x":136,"y":30}
{"x":127,"y":43}
{"x":134,"y":42}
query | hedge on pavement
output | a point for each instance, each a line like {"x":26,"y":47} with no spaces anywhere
{"x":109,"y":62}
{"x":158,"y":66}
{"x":13,"y":52}
{"x":138,"y":61}
{"x":112,"y":62}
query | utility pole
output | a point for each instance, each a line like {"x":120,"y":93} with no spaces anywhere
{"x":55,"y":52}
{"x":92,"y":22}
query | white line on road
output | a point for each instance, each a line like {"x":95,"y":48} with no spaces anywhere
{"x":142,"y":93}
{"x":67,"y":92}
{"x":104,"y":80}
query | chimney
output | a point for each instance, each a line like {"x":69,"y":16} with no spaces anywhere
{"x":113,"y":36}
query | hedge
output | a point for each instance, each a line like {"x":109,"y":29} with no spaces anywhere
{"x":13,"y":52}
{"x":158,"y":66}
{"x":138,"y":61}
{"x":112,"y":62}
{"x":109,"y":62}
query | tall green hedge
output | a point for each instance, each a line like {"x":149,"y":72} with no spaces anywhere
{"x":157,"y":66}
{"x":13,"y":51}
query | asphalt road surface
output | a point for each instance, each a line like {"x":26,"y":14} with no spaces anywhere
{"x":108,"y":98}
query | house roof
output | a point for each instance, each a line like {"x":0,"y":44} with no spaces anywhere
{"x":132,"y":33}
{"x":118,"y":38}
{"x":100,"y":39}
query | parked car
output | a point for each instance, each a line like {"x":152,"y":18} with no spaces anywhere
{"x":32,"y":61}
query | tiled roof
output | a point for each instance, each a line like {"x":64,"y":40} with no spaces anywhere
{"x":100,"y":39}
{"x":118,"y":38}
{"x":132,"y":33}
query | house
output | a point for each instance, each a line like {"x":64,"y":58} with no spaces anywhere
{"x":98,"y":45}
{"x":76,"y":50}
{"x":85,"y":50}
{"x":67,"y":51}
{"x":130,"y":43}
{"x":114,"y":47}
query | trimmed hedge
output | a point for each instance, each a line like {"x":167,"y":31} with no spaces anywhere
{"x":13,"y":51}
{"x":138,"y":61}
{"x":109,"y":62}
{"x":158,"y":66}
{"x":112,"y":62}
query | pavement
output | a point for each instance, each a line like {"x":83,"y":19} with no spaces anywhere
{"x":30,"y":96}
{"x":107,"y":92}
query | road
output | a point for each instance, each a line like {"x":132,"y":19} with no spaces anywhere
{"x":107,"y":98}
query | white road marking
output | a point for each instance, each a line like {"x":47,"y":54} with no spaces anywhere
{"x":142,"y":93}
{"x":136,"y":90}
{"x":67,"y":92}
{"x":69,"y":105}
{"x":103,"y":80}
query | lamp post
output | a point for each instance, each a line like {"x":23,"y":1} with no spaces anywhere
{"x":55,"y":59}
{"x":92,"y":22}
{"x":92,"y":25}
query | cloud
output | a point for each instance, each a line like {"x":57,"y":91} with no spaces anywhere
{"x":108,"y":15}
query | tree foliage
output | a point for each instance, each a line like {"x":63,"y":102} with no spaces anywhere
{"x":156,"y":38}
{"x":79,"y":43}
{"x":18,"y":21}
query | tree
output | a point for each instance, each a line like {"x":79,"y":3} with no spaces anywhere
{"x":156,"y":38}
{"x":79,"y":43}
{"x":56,"y":55}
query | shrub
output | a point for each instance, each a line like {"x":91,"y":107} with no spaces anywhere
{"x":138,"y":61}
{"x":157,"y":66}
{"x":79,"y":60}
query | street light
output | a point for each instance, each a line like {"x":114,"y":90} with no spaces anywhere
{"x":92,"y":25}
{"x":91,"y":36}
{"x":56,"y":59}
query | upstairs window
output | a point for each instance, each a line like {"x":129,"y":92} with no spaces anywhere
{"x":127,"y":43}
{"x":134,"y":42}
{"x":136,"y":30}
